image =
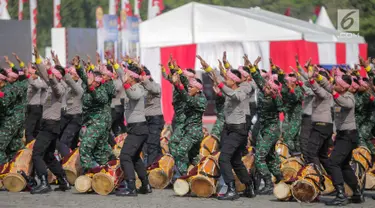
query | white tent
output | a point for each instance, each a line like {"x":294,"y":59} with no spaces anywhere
{"x":201,"y":23}
{"x":324,"y":20}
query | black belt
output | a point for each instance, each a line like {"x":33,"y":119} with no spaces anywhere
{"x":236,"y":126}
{"x":346,"y":131}
{"x":73,"y":116}
{"x":157,"y":116}
{"x":35,"y":106}
{"x":130,"y":125}
{"x":321,"y":123}
{"x":306,"y":116}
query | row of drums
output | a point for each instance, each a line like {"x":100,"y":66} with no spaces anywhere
{"x":304,"y":183}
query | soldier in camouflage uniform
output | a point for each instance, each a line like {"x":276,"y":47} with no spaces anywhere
{"x":94,"y":148}
{"x":292,"y":97}
{"x":220,"y":118}
{"x":10,"y":143}
{"x":270,"y":105}
{"x":188,"y":147}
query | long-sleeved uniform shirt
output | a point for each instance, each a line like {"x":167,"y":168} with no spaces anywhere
{"x":36,"y":88}
{"x":73,"y":95}
{"x":135,"y":107}
{"x":120,"y":93}
{"x":234,"y":105}
{"x":247,"y":89}
{"x":344,"y":111}
{"x":54,"y":94}
{"x":321,"y":106}
{"x":152,"y":98}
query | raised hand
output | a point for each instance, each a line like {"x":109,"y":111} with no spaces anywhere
{"x":297,"y":59}
{"x":7,"y":60}
{"x":225,"y":57}
{"x":175,"y":78}
{"x":97,"y":58}
{"x":203,"y":62}
{"x":246,"y":61}
{"x":36,"y":52}
{"x":17,"y":58}
{"x":256,"y":62}
{"x":308,"y":63}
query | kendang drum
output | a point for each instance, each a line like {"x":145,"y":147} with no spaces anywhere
{"x":204,"y":183}
{"x":181,"y":186}
{"x":108,"y":178}
{"x":166,"y":132}
{"x":160,"y":173}
{"x":83,"y":183}
{"x":282,"y":191}
{"x":370,"y":179}
{"x":290,"y":167}
{"x":282,"y":150}
{"x":209,"y":145}
{"x":363,"y":156}
{"x":164,"y":145}
{"x":329,"y":188}
{"x":13,"y":180}
{"x":72,"y":166}
{"x":120,"y":139}
{"x":308,"y":185}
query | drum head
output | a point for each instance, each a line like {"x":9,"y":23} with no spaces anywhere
{"x":14,"y":182}
{"x":70,"y":175}
{"x":282,"y":191}
{"x":181,"y":187}
{"x":289,"y":173}
{"x":304,"y":191}
{"x":202,"y":186}
{"x":370,"y":181}
{"x":102,"y":184}
{"x":158,"y":178}
{"x":83,"y":184}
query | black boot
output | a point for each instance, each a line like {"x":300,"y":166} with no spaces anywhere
{"x":129,"y":190}
{"x":43,"y":187}
{"x":268,"y":186}
{"x":31,"y":182}
{"x":249,"y":190}
{"x":145,"y":188}
{"x":340,"y":199}
{"x":357,"y":197}
{"x":231,"y":193}
{"x":256,"y":180}
{"x":63,"y":184}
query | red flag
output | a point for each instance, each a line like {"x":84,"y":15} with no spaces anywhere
{"x":287,"y":12}
{"x":317,"y":10}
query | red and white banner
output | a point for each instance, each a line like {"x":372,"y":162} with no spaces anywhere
{"x":56,"y":13}
{"x":33,"y":20}
{"x":155,"y":7}
{"x":20,"y":9}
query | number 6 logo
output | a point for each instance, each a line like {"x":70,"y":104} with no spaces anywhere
{"x":346,"y":19}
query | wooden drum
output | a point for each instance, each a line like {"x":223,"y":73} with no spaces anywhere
{"x":370,"y":181}
{"x":363,"y":156}
{"x":83,"y":183}
{"x":13,"y":180}
{"x":308,"y":185}
{"x":209,"y":145}
{"x":290,"y":167}
{"x":72,"y":166}
{"x":108,"y":178}
{"x":160,"y":173}
{"x":282,"y":150}
{"x":120,"y":139}
{"x":329,"y":186}
{"x":204,"y":183}
{"x":282,"y":191}
{"x":164,"y":145}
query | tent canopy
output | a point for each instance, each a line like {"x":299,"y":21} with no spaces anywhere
{"x":201,"y":23}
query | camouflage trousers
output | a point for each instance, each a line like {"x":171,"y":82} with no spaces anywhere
{"x":266,"y":159}
{"x":365,"y":135}
{"x":186,"y":151}
{"x":11,"y":133}
{"x":178,"y":132}
{"x":291,"y":129}
{"x":94,"y":149}
{"x":218,"y":126}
